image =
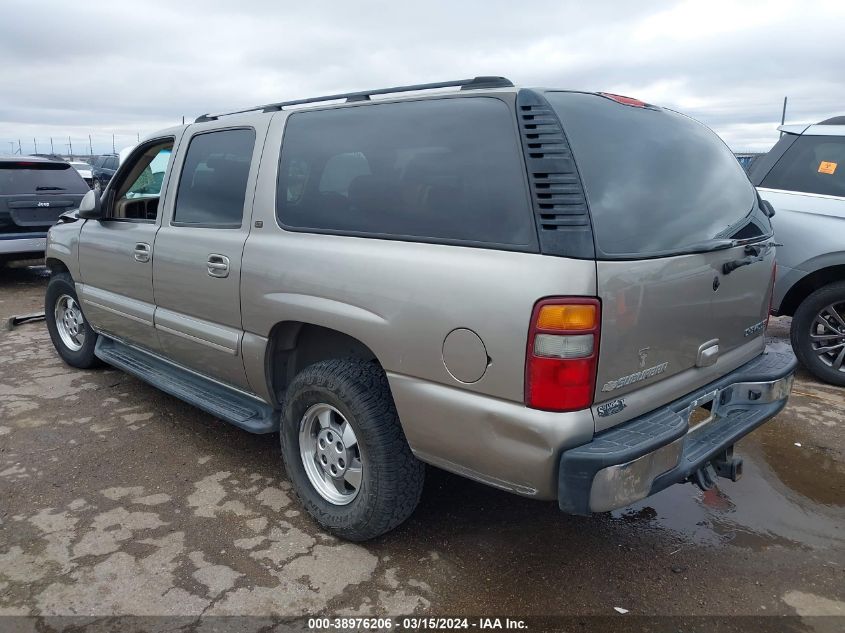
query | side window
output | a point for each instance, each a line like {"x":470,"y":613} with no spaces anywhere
{"x":341,"y":170}
{"x":296,"y":178}
{"x":812,"y":164}
{"x":213,"y":184}
{"x":435,"y":170}
{"x":111,"y":163}
{"x":137,"y":194}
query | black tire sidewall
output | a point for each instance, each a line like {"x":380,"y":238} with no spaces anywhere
{"x":62,"y":284}
{"x":392,"y":478}
{"x":337,"y":517}
{"x":800,"y":331}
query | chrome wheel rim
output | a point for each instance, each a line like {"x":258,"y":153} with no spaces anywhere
{"x":827,"y":336}
{"x":70,"y":323}
{"x":330,"y":454}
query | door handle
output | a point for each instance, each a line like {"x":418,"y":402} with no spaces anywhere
{"x":142,"y":252}
{"x":218,"y":265}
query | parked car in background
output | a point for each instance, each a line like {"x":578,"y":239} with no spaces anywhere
{"x":84,"y":170}
{"x":103,"y":168}
{"x":803,"y":177}
{"x":746,"y":159}
{"x":34,"y":192}
{"x":428,"y":278}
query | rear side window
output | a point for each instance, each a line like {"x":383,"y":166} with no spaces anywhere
{"x":812,"y":164}
{"x":657,"y":182}
{"x":435,"y":170}
{"x":21,"y":176}
{"x":213,"y":184}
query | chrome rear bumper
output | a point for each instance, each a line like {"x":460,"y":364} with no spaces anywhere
{"x":649,"y":453}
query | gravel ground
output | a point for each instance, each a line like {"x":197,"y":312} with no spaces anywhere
{"x":116,"y":499}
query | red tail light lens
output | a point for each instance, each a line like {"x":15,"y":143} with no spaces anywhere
{"x":562,"y":354}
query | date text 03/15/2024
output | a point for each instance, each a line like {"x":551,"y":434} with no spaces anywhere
{"x":415,"y":624}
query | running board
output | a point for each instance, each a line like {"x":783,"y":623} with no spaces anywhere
{"x":219,"y":400}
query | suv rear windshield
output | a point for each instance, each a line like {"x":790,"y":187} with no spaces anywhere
{"x":22,"y":176}
{"x":812,"y":164}
{"x":657,"y":182}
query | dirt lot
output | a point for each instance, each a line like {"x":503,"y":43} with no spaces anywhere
{"x":117,"y":499}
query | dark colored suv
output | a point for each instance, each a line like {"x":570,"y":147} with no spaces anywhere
{"x":102,"y":169}
{"x":34,"y":192}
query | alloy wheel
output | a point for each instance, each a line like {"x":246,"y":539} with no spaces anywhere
{"x":70,"y":322}
{"x":330,"y":453}
{"x":827,"y":336}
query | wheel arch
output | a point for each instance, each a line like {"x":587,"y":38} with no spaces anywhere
{"x":808,"y":284}
{"x":294,"y":345}
{"x":56,"y":266}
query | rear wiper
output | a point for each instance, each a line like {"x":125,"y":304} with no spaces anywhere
{"x":706,"y":246}
{"x":754,"y":253}
{"x":49,"y":188}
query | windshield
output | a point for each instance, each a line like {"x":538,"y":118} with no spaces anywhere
{"x":657,"y":182}
{"x":20,"y":176}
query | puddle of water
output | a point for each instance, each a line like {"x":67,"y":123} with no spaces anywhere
{"x":783,"y":505}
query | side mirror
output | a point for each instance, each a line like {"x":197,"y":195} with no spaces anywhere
{"x":90,"y":207}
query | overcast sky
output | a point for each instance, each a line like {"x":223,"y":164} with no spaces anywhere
{"x":128,"y":67}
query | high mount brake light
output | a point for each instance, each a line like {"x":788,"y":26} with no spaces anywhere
{"x":562,"y":354}
{"x":628,"y":101}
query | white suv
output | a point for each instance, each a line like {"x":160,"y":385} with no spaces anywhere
{"x":803,"y":177}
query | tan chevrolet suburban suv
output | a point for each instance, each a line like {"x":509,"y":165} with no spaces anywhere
{"x":561,"y":294}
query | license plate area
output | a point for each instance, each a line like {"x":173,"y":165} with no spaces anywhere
{"x":44,"y":216}
{"x":702,"y":411}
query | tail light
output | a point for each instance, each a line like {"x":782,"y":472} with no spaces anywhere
{"x":562,"y":354}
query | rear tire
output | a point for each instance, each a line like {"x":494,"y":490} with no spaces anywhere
{"x":320,"y":403}
{"x":70,"y":332}
{"x":817,"y":317}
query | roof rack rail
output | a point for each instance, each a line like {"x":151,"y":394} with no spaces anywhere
{"x":476,"y":83}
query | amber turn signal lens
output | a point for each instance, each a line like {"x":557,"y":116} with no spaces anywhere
{"x":567,"y":317}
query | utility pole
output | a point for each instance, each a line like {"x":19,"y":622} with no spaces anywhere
{"x":70,"y":147}
{"x":783,"y":114}
{"x":138,"y":137}
{"x":90,"y":146}
{"x":52,"y":151}
{"x":35,"y":144}
{"x":20,"y":149}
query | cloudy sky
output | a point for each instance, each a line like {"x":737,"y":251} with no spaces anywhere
{"x":130,"y":67}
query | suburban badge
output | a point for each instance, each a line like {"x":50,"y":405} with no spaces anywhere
{"x":630,"y":379}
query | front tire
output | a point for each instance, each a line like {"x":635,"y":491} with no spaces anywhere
{"x":818,"y":333}
{"x":70,"y":332}
{"x":344,"y":450}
